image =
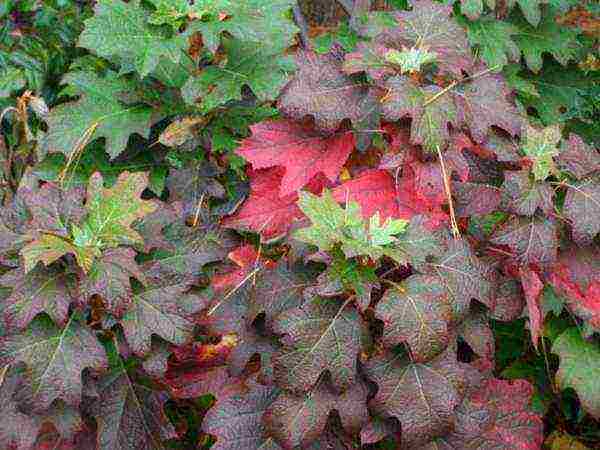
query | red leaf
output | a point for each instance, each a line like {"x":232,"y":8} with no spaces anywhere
{"x":374,"y":191}
{"x":302,"y":151}
{"x":246,"y":257}
{"x":265,"y":212}
{"x":533,"y":286}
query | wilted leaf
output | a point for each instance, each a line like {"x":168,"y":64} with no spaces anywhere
{"x":532,"y":287}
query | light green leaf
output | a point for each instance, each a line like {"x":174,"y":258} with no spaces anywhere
{"x":120,"y":29}
{"x":493,"y":40}
{"x":97,"y":114}
{"x":411,"y":59}
{"x":579,"y":368}
{"x":540,"y":146}
{"x":11,"y":80}
{"x":266,"y":22}
{"x":48,"y":248}
{"x":263,"y":70}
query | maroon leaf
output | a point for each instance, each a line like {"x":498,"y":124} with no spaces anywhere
{"x":303,"y":152}
{"x":320,"y":335}
{"x":473,"y":199}
{"x":496,"y":416}
{"x":524,"y":196}
{"x":236,"y":421}
{"x":582,"y":208}
{"x":43,"y":289}
{"x":298,"y":420}
{"x":579,"y":158}
{"x":378,"y":429}
{"x":422,"y":396}
{"x":484,"y":103}
{"x":476,"y":332}
{"x":533,"y":240}
{"x":370,"y":58}
{"x":533,"y":286}
{"x":508,"y":300}
{"x":417,"y":312}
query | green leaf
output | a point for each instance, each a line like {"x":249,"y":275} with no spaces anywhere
{"x":266,"y":22}
{"x":111,"y":211}
{"x":11,"y":80}
{"x":411,"y":59}
{"x":493,"y":39}
{"x":55,"y":357}
{"x":579,"y":368}
{"x":262,"y":69}
{"x":541,"y":146}
{"x":97,"y":114}
{"x":48,"y":248}
{"x":120,"y":29}
{"x":530,"y":9}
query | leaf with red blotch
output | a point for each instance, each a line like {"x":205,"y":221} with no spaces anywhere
{"x":51,"y":440}
{"x":41,"y":290}
{"x":533,"y":240}
{"x":195,"y":382}
{"x":430,"y":26}
{"x":298,"y":420}
{"x":370,"y":58}
{"x":378,"y":429}
{"x":320,"y":335}
{"x":523,"y":195}
{"x":532,"y":287}
{"x":301,"y":150}
{"x":54,"y":357}
{"x":374,"y":191}
{"x":129,"y":414}
{"x":204,"y":355}
{"x":416,"y":312}
{"x":422,"y":396}
{"x":496,"y":415}
{"x":421,"y":192}
{"x":474,"y":199}
{"x":250,"y":343}
{"x":484,"y":103}
{"x":322,"y":90}
{"x":17,"y":430}
{"x":237,"y":422}
{"x":465,"y":276}
{"x":53,"y":209}
{"x":579,"y":158}
{"x":576,"y":276}
{"x":109,"y":277}
{"x":247,"y":259}
{"x":162,"y":308}
{"x":265,"y":212}
{"x":507,"y":302}
{"x":430,"y":119}
{"x":582,"y":208}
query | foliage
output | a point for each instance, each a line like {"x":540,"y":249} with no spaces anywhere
{"x":299,"y":225}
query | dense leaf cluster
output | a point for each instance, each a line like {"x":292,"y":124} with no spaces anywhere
{"x":243,"y":225}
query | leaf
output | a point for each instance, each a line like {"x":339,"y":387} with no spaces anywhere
{"x":298,"y":420}
{"x":524,"y":195}
{"x":473,"y":8}
{"x":533,"y":240}
{"x":579,"y":365}
{"x":41,"y":290}
{"x":579,"y":158}
{"x":48,"y":248}
{"x":109,"y":277}
{"x":263,"y":70}
{"x":55,"y":358}
{"x":180,"y":131}
{"x":429,"y":26}
{"x":464,"y":275}
{"x":540,"y":147}
{"x":97,"y":114}
{"x":164,"y":310}
{"x":494,"y":40}
{"x":416,"y":312}
{"x":546,"y":37}
{"x":582,"y":208}
{"x":128,"y":414}
{"x":121,"y":30}
{"x":237,"y":421}
{"x":11,"y":80}
{"x":319,"y":335}
{"x":322,"y":90}
{"x":484,"y":103}
{"x":258,"y":21}
{"x":430,"y":122}
{"x":496,"y":414}
{"x":474,"y":199}
{"x":422,"y":396}
{"x":274,"y":142}
{"x":562,"y":441}
{"x":17,"y":430}
{"x":532,"y":287}
{"x":476,"y":332}
{"x":112,"y":211}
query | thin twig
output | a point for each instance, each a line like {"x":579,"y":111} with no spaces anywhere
{"x":455,"y":230}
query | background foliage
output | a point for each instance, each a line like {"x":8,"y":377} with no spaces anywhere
{"x":265,"y":224}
